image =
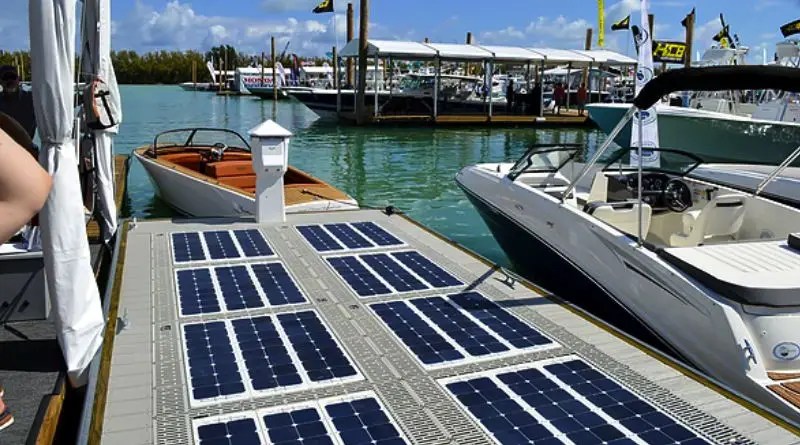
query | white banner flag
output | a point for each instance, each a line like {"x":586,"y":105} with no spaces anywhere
{"x":644,"y":43}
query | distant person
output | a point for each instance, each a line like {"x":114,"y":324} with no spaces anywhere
{"x":510,"y":96}
{"x":581,"y":98}
{"x":15,"y":102}
{"x":559,"y":96}
{"x":536,"y":99}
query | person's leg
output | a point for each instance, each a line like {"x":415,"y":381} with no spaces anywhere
{"x":6,"y":418}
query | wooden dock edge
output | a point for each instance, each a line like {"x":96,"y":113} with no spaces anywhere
{"x":698,"y":377}
{"x":48,"y":414}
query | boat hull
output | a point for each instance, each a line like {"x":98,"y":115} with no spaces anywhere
{"x":552,"y":242}
{"x":715,"y":137}
{"x":192,"y":196}
{"x":267,"y":93}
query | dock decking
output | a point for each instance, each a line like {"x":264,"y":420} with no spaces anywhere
{"x":422,"y":364}
{"x":565,"y":119}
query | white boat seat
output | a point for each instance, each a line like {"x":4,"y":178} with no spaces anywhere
{"x":624,"y":215}
{"x":599,"y":190}
{"x":722,"y":216}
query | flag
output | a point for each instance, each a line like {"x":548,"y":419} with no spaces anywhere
{"x":685,"y":20}
{"x":601,"y":24}
{"x":644,"y":74}
{"x":622,"y":24}
{"x":324,"y":6}
{"x":791,"y":28}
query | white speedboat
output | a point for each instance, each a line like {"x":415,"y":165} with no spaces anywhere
{"x":713,"y":271}
{"x":208,"y":172}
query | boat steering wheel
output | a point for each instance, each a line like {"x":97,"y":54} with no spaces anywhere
{"x":217,"y":152}
{"x":677,"y":196}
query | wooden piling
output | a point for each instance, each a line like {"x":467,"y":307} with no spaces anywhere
{"x":687,"y":61}
{"x":587,"y":46}
{"x":274,"y":73}
{"x":350,"y":28}
{"x":261,"y":82}
{"x":363,"y":18}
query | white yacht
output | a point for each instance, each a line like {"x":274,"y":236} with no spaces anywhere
{"x":711,"y":270}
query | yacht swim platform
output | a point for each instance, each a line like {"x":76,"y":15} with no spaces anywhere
{"x":299,"y":335}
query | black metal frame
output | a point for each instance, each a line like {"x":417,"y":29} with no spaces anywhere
{"x":615,"y":158}
{"x":516,"y":171}
{"x":189,"y":140}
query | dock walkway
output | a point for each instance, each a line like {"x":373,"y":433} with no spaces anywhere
{"x":281,"y":341}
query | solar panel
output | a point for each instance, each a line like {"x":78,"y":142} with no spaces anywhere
{"x":219,"y":244}
{"x":212,"y":367}
{"x":427,"y":344}
{"x":266,"y":358}
{"x":196,"y":292}
{"x":319,"y":239}
{"x":474,"y":339}
{"x":393,"y":273}
{"x":277,"y":284}
{"x":320,"y":355}
{"x":363,"y":421}
{"x":377,"y":234}
{"x":426,"y":269}
{"x":252,"y":243}
{"x":187,"y":247}
{"x":238,"y":290}
{"x":303,"y":425}
{"x":348,"y":236}
{"x":503,"y":323}
{"x":239,"y":428}
{"x":563,"y":399}
{"x":359,"y":278}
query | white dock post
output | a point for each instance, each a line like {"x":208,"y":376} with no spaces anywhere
{"x":270,"y":145}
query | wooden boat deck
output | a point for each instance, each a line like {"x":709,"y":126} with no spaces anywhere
{"x":148,"y":399}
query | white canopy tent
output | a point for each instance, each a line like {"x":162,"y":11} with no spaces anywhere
{"x":96,"y":60}
{"x":77,"y":312}
{"x":513,"y":54}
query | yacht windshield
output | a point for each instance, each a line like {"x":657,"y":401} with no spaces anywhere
{"x":674,"y":162}
{"x":544,"y":158}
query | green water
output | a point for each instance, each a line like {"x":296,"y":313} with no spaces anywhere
{"x":409,"y":168}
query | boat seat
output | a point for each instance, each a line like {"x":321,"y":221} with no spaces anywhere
{"x":224,"y":169}
{"x":721,"y":217}
{"x":599,"y":190}
{"x":623,"y":215}
{"x":190,"y":160}
{"x":243,"y":182}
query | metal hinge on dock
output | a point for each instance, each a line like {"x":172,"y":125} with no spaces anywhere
{"x":122,"y":322}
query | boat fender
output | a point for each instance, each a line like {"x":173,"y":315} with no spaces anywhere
{"x":100,"y":110}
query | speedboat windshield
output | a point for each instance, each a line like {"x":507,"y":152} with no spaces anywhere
{"x":545,"y":158}
{"x":200,"y":137}
{"x":673,"y":162}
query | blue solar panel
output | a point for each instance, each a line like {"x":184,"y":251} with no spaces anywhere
{"x":196,"y":293}
{"x":187,"y":247}
{"x":265,"y":356}
{"x":233,"y":432}
{"x":474,"y":339}
{"x":363,"y":421}
{"x":237,"y":288}
{"x":393,"y":273}
{"x":319,"y":239}
{"x":348,"y":236}
{"x":252,"y":243}
{"x":415,"y":333}
{"x":377,"y":234}
{"x":212,"y":366}
{"x":220,"y":245}
{"x":277,"y":284}
{"x":503,"y":417}
{"x":499,"y":320}
{"x":635,"y":414}
{"x":360,"y":279}
{"x":300,"y":426}
{"x":425,"y":268}
{"x":318,"y":352}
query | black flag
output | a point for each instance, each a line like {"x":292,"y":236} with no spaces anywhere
{"x":622,"y":24}
{"x":791,"y":28}
{"x":324,"y":6}
{"x":685,"y":20}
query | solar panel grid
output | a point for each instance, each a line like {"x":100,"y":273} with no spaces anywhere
{"x":265,"y":355}
{"x":393,"y":273}
{"x":363,"y":282}
{"x":239,"y":429}
{"x":348,"y":236}
{"x":187,"y":247}
{"x":319,"y":238}
{"x":277,"y":285}
{"x":303,"y":425}
{"x":196,"y":292}
{"x":320,"y":355}
{"x":377,"y":234}
{"x":252,"y":243}
{"x":363,"y":421}
{"x":237,"y":288}
{"x":219,"y":244}
{"x":212,"y":366}
{"x":502,"y":322}
{"x":426,"y":269}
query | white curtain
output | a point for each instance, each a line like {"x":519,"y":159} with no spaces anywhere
{"x":77,"y":313}
{"x":96,"y":47}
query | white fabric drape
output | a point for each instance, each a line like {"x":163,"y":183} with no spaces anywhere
{"x":77,"y":312}
{"x":96,"y":60}
{"x":649,"y":117}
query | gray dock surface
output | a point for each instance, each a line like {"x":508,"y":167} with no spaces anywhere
{"x":150,"y":401}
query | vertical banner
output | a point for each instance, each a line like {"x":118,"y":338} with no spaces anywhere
{"x":644,"y":73}
{"x":601,"y":24}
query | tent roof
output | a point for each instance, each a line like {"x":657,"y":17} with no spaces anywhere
{"x":606,"y":57}
{"x":413,"y":50}
{"x":559,"y":56}
{"x":460,"y":52}
{"x":513,"y":53}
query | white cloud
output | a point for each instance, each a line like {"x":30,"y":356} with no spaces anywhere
{"x":558,"y":32}
{"x":503,"y":36}
{"x":289,"y":5}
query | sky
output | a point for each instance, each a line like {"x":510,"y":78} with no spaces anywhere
{"x":147,"y":25}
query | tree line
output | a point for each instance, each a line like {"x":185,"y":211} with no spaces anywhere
{"x":162,"y":67}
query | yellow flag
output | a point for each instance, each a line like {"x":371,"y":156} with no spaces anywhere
{"x":601,"y":24}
